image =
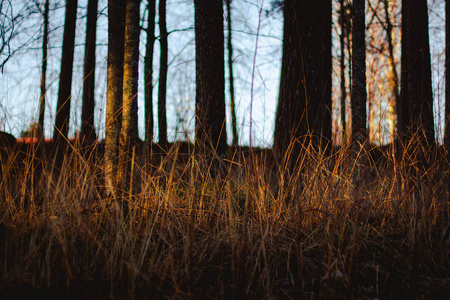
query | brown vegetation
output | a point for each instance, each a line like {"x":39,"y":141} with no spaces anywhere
{"x":189,"y":235}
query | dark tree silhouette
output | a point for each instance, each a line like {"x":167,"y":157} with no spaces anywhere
{"x":304,"y":102}
{"x":415,"y":111}
{"x":210,"y":131}
{"x":447,"y":79}
{"x":359,"y":91}
{"x":114,"y":94}
{"x":65,"y":80}
{"x":87,"y":111}
{"x":162,"y":87}
{"x":148,"y":71}
{"x":44,"y":70}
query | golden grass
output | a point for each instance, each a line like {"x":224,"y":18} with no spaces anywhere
{"x":256,"y":231}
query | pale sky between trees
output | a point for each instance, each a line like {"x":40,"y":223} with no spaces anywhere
{"x":253,"y":23}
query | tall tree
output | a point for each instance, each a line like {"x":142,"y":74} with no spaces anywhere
{"x":231,"y":74}
{"x":342,"y":36}
{"x":447,"y":78}
{"x":129,"y":136}
{"x":148,"y":71}
{"x":162,"y":88}
{"x":304,"y":102}
{"x":114,"y":93}
{"x":44,"y":70}
{"x":359,"y":91}
{"x":87,"y":111}
{"x":395,"y":82}
{"x":129,"y":129}
{"x":65,"y":79}
{"x":415,"y":111}
{"x":210,"y":131}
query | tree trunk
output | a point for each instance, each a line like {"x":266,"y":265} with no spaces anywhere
{"x":148,"y":71}
{"x":359,"y":91}
{"x":359,"y":132}
{"x":129,"y":136}
{"x":162,"y":88}
{"x":210,"y":130}
{"x":231,"y":80}
{"x":129,"y":130}
{"x":394,"y":75}
{"x":447,"y":79}
{"x":416,"y":98}
{"x":342,"y":36}
{"x":44,"y":70}
{"x":304,"y":105}
{"x":114,"y":93}
{"x":65,"y":80}
{"x":87,"y":111}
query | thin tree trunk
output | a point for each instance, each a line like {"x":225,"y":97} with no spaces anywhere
{"x":394,"y":75}
{"x":114,"y":93}
{"x":87,"y":111}
{"x":148,"y":71}
{"x":343,"y":16}
{"x":129,"y":136}
{"x":359,"y":91}
{"x":359,"y":131}
{"x":44,"y":71}
{"x":162,"y":88}
{"x":231,"y":80}
{"x":447,"y":80}
{"x":65,"y":81}
{"x":129,"y":130}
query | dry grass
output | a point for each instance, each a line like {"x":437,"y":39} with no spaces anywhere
{"x":251,"y":233}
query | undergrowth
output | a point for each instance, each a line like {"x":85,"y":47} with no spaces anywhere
{"x":257,"y":230}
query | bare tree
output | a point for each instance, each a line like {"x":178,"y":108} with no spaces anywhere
{"x":44,"y":70}
{"x":114,"y":94}
{"x":210,"y":131}
{"x":415,"y":111}
{"x":87,"y":112}
{"x":231,"y":74}
{"x":65,"y":80}
{"x":148,"y":71}
{"x":304,"y":104}
{"x":359,"y":92}
{"x":162,"y":87}
{"x":447,"y":79}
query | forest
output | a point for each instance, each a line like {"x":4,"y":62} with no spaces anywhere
{"x":219,"y":149}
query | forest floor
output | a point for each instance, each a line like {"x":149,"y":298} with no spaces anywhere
{"x":254,"y":230}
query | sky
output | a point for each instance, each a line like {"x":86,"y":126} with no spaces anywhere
{"x":257,"y":42}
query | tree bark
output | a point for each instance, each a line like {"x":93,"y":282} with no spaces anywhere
{"x":210,"y":130}
{"x":447,"y":79}
{"x":304,"y":105}
{"x":129,"y":136}
{"x":162,"y":88}
{"x":342,"y":36}
{"x":148,"y":71}
{"x":129,"y":130}
{"x":44,"y":70}
{"x":65,"y":80}
{"x":415,"y":110}
{"x":359,"y":91}
{"x":87,"y":111}
{"x":114,"y":93}
{"x":231,"y":74}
